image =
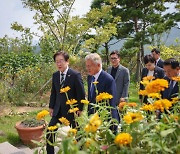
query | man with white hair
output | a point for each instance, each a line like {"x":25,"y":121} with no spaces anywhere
{"x":106,"y":83}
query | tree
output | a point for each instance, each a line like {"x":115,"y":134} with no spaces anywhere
{"x":140,"y":21}
{"x":17,"y":45}
{"x":104,"y":26}
{"x":60,"y":30}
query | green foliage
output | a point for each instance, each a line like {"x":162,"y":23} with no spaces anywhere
{"x":17,"y":45}
{"x":12,"y":63}
{"x":172,"y":51}
{"x":23,"y":75}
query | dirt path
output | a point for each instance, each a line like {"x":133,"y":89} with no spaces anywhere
{"x":7,"y":110}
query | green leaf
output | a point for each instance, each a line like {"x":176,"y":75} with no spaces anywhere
{"x":166,"y":132}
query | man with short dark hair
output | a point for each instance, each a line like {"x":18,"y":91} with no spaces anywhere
{"x":172,"y":69}
{"x":58,"y":108}
{"x":121,"y":76}
{"x":156,"y":54}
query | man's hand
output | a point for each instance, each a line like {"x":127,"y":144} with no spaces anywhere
{"x":79,"y":113}
{"x":122,"y":100}
{"x":51,"y":112}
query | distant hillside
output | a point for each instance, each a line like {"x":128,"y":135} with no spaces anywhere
{"x":167,"y":39}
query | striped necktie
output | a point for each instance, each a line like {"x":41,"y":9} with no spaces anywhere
{"x":62,"y":80}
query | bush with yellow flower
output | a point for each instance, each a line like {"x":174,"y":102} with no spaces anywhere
{"x":140,"y":129}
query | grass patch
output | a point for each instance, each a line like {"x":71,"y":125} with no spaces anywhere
{"x":133,"y":92}
{"x":7,"y":124}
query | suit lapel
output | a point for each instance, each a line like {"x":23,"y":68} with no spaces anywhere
{"x":67,"y":79}
{"x":118,"y":72}
{"x":57,"y":80}
{"x":109,"y":70}
{"x":155,"y":72}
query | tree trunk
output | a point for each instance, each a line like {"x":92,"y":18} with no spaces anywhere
{"x":107,"y":53}
{"x":138,"y":67}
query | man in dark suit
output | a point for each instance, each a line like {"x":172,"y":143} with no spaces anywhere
{"x":106,"y":83}
{"x":57,"y":106}
{"x":156,"y":54}
{"x":150,"y":69}
{"x":121,"y":76}
{"x":172,"y":69}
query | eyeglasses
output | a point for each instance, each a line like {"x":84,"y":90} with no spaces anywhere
{"x":113,"y":58}
{"x":60,"y":61}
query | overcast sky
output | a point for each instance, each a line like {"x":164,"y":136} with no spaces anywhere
{"x":12,"y":10}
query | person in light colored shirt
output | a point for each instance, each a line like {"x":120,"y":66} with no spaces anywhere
{"x":150,"y":69}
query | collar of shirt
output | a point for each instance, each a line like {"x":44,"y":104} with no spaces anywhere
{"x":157,"y":60}
{"x":115,"y":68}
{"x":97,"y":74}
{"x":65,"y":72}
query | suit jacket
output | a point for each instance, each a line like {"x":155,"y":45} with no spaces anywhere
{"x":58,"y":100}
{"x":173,"y":93}
{"x":160,"y":63}
{"x":106,"y":84}
{"x":158,"y":73}
{"x":122,"y":80}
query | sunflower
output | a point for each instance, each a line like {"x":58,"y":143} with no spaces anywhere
{"x":131,"y":117}
{"x":65,"y":90}
{"x":85,"y":101}
{"x":64,"y":121}
{"x":93,"y":124}
{"x":103,"y":96}
{"x":52,"y":128}
{"x":71,"y":101}
{"x":42,"y":114}
{"x":123,"y":139}
{"x":73,"y":110}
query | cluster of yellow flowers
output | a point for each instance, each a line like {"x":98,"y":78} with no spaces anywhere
{"x":156,"y":86}
{"x":122,"y":104}
{"x":103,"y":96}
{"x":94,"y":123}
{"x":42,"y":114}
{"x":146,"y":80}
{"x":147,"y":107}
{"x":162,"y":104}
{"x":64,"y":121}
{"x":123,"y":139}
{"x":131,"y":117}
{"x":158,"y":105}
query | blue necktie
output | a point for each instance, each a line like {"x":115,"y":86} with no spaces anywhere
{"x":92,"y":88}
